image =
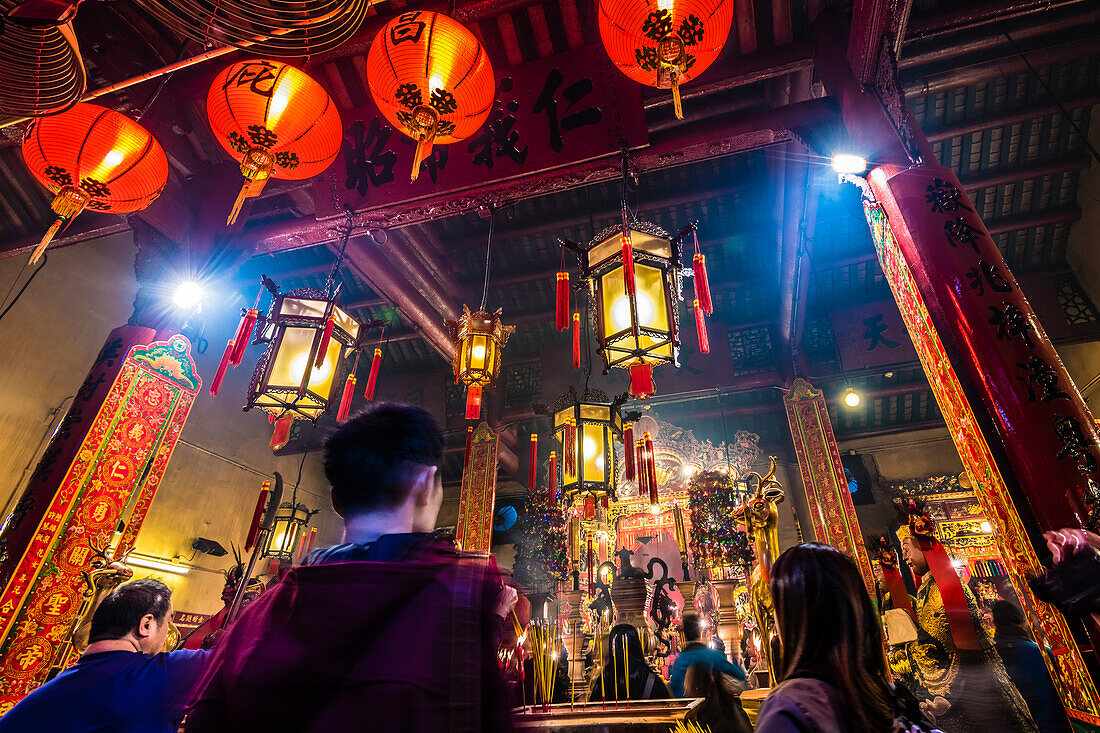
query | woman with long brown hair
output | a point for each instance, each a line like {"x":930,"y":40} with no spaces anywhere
{"x":831,"y":669}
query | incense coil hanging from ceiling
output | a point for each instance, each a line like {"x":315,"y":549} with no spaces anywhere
{"x":41,"y":67}
{"x":274,"y":27}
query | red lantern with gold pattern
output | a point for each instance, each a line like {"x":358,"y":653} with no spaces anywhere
{"x":431,"y":78}
{"x":666,"y":43}
{"x":94,"y":158}
{"x":276,"y":120}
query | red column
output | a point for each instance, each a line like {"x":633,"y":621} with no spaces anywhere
{"x":996,"y":344}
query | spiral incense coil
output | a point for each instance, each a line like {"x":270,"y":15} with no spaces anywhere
{"x":41,"y":67}
{"x":275,"y":27}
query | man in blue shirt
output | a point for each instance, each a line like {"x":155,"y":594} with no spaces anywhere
{"x":121,"y":683}
{"x":696,"y":652}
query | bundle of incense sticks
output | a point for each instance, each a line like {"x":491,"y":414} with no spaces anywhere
{"x":689,"y":726}
{"x":544,"y":655}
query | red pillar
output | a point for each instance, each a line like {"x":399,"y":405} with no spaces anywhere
{"x":996,"y":344}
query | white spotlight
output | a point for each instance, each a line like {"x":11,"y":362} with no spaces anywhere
{"x":188,"y":295}
{"x":846,"y":163}
{"x":851,"y":397}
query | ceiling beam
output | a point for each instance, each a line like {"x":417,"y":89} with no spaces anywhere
{"x":687,"y":144}
{"x":1010,"y":117}
{"x":1012,"y":174}
{"x":1007,"y":224}
{"x":972,"y":16}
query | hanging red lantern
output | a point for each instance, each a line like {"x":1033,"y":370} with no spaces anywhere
{"x":275,"y":120}
{"x":664,"y":44}
{"x":93,"y":158}
{"x":431,"y":79}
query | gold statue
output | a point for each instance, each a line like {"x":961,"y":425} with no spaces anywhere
{"x":761,"y":518}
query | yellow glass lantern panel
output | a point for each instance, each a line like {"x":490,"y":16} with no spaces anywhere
{"x":292,"y":360}
{"x":593,"y":451}
{"x":652,"y":308}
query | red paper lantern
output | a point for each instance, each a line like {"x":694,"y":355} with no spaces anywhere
{"x":93,"y":158}
{"x":667,"y":43}
{"x":276,"y":120}
{"x":431,"y":78}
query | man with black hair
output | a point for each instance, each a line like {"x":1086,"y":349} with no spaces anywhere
{"x":121,"y":683}
{"x":698,"y":653}
{"x":390,"y":630}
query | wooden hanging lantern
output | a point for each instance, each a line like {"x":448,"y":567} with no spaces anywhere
{"x":275,"y":120}
{"x":666,"y":43}
{"x":637,"y":327}
{"x":431,"y":79}
{"x":91,"y":157}
{"x":290,"y":528}
{"x":479,"y":338}
{"x":587,"y":427}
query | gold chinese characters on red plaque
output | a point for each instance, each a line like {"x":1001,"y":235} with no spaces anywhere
{"x":477,"y":500}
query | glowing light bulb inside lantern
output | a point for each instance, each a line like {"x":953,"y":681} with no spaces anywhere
{"x":113,"y":158}
{"x":666,"y":5}
{"x":620,"y":312}
{"x":280,"y":98}
{"x":317,"y":376}
{"x":588,"y":449}
{"x":435,"y":83}
{"x":654,"y":508}
{"x":987,"y":527}
{"x":477,"y":354}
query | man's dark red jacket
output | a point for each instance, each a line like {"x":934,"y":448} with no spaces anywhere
{"x":387,"y":646}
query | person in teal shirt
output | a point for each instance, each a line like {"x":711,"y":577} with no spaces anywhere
{"x":696,"y":652}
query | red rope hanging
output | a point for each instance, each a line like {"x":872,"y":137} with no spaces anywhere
{"x":628,"y":450}
{"x":576,"y":340}
{"x":561,"y":302}
{"x":651,"y":468}
{"x":532,"y":464}
{"x":569,"y":448}
{"x":326,"y":336}
{"x":701,"y":328}
{"x":372,"y":380}
{"x":219,"y":375}
{"x":628,"y":261}
{"x":639,"y":460}
{"x":702,"y":282}
{"x":345,"y":399}
{"x":552,"y":479}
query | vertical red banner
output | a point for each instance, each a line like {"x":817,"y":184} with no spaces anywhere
{"x":831,"y":510}
{"x":477,"y":500}
{"x":125,"y":450}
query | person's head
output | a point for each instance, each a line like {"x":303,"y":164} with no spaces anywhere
{"x":386,"y":459}
{"x":914,"y":556}
{"x":1008,"y":619}
{"x":827,"y":625}
{"x":139,"y":612}
{"x":693,"y":630}
{"x":628,"y":635}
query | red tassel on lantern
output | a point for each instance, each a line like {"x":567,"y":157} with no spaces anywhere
{"x":701,"y":328}
{"x":628,"y":262}
{"x":282,"y":432}
{"x":257,"y":515}
{"x":589,"y":507}
{"x":473,"y":402}
{"x":641,"y":380}
{"x":312,"y":536}
{"x":325,"y":338}
{"x":561,"y":302}
{"x":469,"y":445}
{"x":628,"y":450}
{"x":650,"y":468}
{"x":569,"y":448}
{"x":639,"y":460}
{"x":702,"y":283}
{"x":227,"y":355}
{"x":576,"y":340}
{"x":345,"y":399}
{"x":372,"y":380}
{"x":244,"y":333}
{"x":532,"y":464}
{"x":591,"y":558}
{"x":552,"y":479}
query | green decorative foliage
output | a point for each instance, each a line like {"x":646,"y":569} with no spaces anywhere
{"x":715,"y":539}
{"x":540,"y":551}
